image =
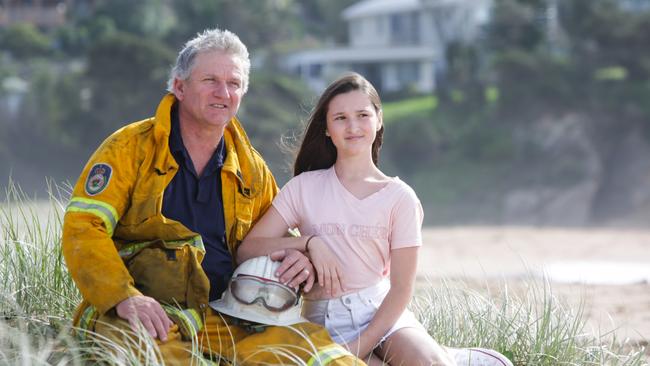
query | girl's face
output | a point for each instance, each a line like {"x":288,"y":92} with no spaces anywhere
{"x":352,"y":123}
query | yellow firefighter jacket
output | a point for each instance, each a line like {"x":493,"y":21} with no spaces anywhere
{"x":117,"y":201}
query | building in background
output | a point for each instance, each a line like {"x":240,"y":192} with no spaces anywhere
{"x":41,"y":13}
{"x":635,"y":5}
{"x":396,"y":44}
{"x":44,"y":14}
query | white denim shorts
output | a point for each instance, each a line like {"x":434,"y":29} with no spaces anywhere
{"x":347,"y":316}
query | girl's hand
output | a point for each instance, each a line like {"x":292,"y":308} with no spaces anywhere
{"x":330,"y":275}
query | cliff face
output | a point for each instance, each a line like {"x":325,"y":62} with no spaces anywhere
{"x":623,"y":195}
{"x":577,"y":177}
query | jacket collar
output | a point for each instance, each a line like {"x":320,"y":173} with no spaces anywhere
{"x":240,"y":159}
{"x":240,"y":155}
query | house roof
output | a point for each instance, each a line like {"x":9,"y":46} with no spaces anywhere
{"x":363,"y":54}
{"x":377,"y":7}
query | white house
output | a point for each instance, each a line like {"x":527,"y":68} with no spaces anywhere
{"x":635,"y":5}
{"x":396,"y":44}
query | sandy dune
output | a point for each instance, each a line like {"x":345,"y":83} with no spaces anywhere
{"x":608,"y":268}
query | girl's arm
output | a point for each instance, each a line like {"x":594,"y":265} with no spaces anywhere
{"x":268,"y":237}
{"x":402,"y":280}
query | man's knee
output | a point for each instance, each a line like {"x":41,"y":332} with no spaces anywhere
{"x":346,"y":361}
{"x":307,"y":342}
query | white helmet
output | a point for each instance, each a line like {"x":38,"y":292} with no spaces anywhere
{"x":256,"y":294}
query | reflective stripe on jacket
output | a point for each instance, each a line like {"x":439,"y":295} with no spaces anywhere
{"x":120,"y":202}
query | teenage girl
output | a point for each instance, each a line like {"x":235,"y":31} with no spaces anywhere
{"x":360,"y":228}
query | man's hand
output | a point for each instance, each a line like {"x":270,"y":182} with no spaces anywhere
{"x":146,"y":310}
{"x":295,"y":268}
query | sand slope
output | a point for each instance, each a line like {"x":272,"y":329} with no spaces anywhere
{"x":579,"y":262}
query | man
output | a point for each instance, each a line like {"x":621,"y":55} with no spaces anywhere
{"x":158,"y":212}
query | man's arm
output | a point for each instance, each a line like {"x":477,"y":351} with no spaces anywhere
{"x":100,"y":198}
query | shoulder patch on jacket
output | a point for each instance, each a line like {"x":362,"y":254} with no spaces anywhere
{"x":98,"y":178}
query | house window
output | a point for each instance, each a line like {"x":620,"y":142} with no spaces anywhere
{"x":356,"y":28}
{"x":396,"y":24}
{"x":315,"y":70}
{"x":408,"y":73}
{"x":405,"y":28}
{"x":379,"y":25}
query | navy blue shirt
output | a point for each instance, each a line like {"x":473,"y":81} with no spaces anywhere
{"x":196,"y":203}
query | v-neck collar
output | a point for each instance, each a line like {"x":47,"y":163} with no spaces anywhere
{"x":354,"y":198}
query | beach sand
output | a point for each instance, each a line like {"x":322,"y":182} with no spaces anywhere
{"x":608,"y":269}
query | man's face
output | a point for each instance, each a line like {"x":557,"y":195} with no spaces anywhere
{"x":210,"y":97}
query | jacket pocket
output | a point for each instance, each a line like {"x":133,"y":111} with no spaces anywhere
{"x":243,"y":217}
{"x":171,"y":274}
{"x":240,"y":229}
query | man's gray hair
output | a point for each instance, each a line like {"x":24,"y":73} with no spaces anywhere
{"x":209,"y":40}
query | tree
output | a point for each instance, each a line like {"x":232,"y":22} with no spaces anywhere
{"x":24,"y":41}
{"x":322,"y":18}
{"x":126,"y":76}
{"x":76,"y":38}
{"x":258,"y":23}
{"x":270,"y":112}
{"x":144,"y":18}
{"x":517,"y":24}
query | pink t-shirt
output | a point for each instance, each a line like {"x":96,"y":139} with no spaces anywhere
{"x":361,"y":232}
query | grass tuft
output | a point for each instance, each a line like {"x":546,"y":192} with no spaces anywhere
{"x":34,"y":280}
{"x":534,"y":328}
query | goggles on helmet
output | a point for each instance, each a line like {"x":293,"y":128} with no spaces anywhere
{"x":273,"y":295}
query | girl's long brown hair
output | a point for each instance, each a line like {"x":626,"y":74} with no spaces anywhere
{"x":317,"y":150}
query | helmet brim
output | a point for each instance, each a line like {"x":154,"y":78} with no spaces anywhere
{"x":257,"y":313}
